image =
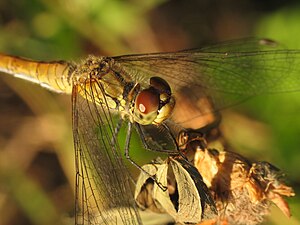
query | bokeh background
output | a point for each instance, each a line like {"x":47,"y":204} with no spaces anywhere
{"x":36,"y":149}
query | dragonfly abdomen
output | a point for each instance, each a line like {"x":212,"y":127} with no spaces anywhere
{"x":55,"y":76}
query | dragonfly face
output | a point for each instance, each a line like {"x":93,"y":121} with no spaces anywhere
{"x":154,"y":104}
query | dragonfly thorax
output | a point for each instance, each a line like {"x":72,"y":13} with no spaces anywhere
{"x":98,"y":83}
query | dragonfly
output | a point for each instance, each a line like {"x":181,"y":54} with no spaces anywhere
{"x":156,"y":94}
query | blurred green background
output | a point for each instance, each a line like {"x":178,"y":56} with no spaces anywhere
{"x":36,"y":149}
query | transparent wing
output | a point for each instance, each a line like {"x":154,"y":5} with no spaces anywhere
{"x":226,"y":74}
{"x":103,"y":190}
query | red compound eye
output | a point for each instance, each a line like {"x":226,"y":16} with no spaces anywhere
{"x":147,"y":101}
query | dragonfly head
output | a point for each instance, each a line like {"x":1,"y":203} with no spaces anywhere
{"x":155,"y":104}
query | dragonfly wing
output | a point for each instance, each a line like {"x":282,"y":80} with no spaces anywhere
{"x":157,"y":138}
{"x":103,"y":189}
{"x":226,"y":74}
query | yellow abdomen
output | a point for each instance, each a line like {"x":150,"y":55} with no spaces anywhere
{"x":55,"y":76}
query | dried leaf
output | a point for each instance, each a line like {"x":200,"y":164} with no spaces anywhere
{"x":191,"y":201}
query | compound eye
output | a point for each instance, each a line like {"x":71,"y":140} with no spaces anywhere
{"x":147,"y":101}
{"x":160,"y":84}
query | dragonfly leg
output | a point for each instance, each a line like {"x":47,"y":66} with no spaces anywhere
{"x":127,"y":143}
{"x":116,"y":132}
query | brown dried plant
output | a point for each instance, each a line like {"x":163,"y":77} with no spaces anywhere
{"x":243,"y":190}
